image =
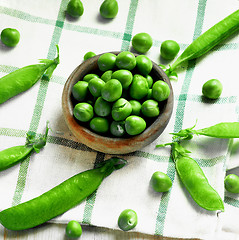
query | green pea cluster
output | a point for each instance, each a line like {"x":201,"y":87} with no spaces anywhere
{"x":122,"y":98}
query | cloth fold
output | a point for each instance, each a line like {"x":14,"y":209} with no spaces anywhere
{"x":42,"y":25}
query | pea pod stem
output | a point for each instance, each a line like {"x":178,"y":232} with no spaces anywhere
{"x":59,"y":199}
{"x":209,"y":39}
{"x":13,"y":155}
{"x":24,"y":78}
{"x":194,"y":179}
{"x":220,"y":130}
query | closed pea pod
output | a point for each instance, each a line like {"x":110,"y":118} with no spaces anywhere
{"x":24,"y":78}
{"x":59,"y":199}
{"x":16,"y":154}
{"x":209,"y":39}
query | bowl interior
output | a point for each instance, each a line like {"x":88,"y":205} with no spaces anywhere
{"x":113,"y":145}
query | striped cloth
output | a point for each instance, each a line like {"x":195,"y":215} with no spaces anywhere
{"x":42,"y":25}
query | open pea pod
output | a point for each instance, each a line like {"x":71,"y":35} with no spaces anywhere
{"x":24,"y":78}
{"x":59,"y":199}
{"x":194,"y":179}
{"x":220,"y":130}
{"x":209,"y":39}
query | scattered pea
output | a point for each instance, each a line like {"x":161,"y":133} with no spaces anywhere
{"x":231,"y":183}
{"x":109,"y":9}
{"x":142,"y":42}
{"x":73,"y":229}
{"x":127,"y":220}
{"x":169,"y":49}
{"x":10,"y":37}
{"x":75,"y":8}
{"x":160,"y":182}
{"x":212,"y":89}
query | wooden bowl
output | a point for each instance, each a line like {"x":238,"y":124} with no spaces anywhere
{"x":113,"y":145}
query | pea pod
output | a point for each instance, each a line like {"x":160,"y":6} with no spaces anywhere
{"x":194,"y":179}
{"x":220,"y":130}
{"x":24,"y":78}
{"x":59,"y":199}
{"x":16,"y":154}
{"x":209,"y":39}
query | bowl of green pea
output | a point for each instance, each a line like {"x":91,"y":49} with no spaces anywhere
{"x":117,"y":102}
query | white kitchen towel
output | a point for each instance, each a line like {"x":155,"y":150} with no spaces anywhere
{"x":42,"y":25}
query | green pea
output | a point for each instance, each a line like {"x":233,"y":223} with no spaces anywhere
{"x":83,"y":112}
{"x":231,"y":183}
{"x":144,"y":64}
{"x":169,"y":49}
{"x":121,"y":109}
{"x":106,"y":61}
{"x":95,"y":85}
{"x":150,"y":94}
{"x":160,"y":182}
{"x":89,"y":55}
{"x":99,"y":124}
{"x":75,"y":8}
{"x":73,"y":229}
{"x":124,"y":76}
{"x":109,"y":9}
{"x":107,"y":75}
{"x":127,"y":220}
{"x":117,"y":129}
{"x":112,"y":90}
{"x":134,"y":125}
{"x":89,"y":76}
{"x":102,"y":108}
{"x":160,"y":90}
{"x":149,"y":80}
{"x":212,"y":89}
{"x":10,"y":37}
{"x":150,"y":108}
{"x":126,"y":60}
{"x":136,"y":107}
{"x":139,"y":87}
{"x":80,"y":90}
{"x":142,"y":42}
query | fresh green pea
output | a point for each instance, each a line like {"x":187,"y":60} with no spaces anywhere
{"x":73,"y":229}
{"x":107,"y":75}
{"x":124,"y":76}
{"x":99,"y":124}
{"x":80,"y":90}
{"x":121,"y":109}
{"x":126,"y":60}
{"x":102,"y":108}
{"x":106,"y":61}
{"x":117,"y":128}
{"x":95,"y":85}
{"x":13,"y":155}
{"x":89,"y":76}
{"x":194,"y":179}
{"x":150,"y":94}
{"x":83,"y":112}
{"x":24,"y":78}
{"x":134,"y":125}
{"x":209,"y":39}
{"x":75,"y":8}
{"x":150,"y":81}
{"x":10,"y":37}
{"x":231,"y":183}
{"x":59,"y":199}
{"x":169,"y":49}
{"x":150,"y":108}
{"x":89,"y":55}
{"x":160,"y":182}
{"x":139,"y":87}
{"x":136,"y":107}
{"x":127,"y":220}
{"x":112,"y":90}
{"x":160,"y":90}
{"x":109,"y":9}
{"x":142,"y":42}
{"x":212,"y":89}
{"x":144,"y":64}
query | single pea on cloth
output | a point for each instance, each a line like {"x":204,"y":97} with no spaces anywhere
{"x":43,"y":25}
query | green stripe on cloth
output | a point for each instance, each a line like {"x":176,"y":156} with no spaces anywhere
{"x":10,"y":132}
{"x":231,"y":201}
{"x":171,"y":171}
{"x":129,"y":25}
{"x":90,"y":201}
{"x":20,"y":186}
